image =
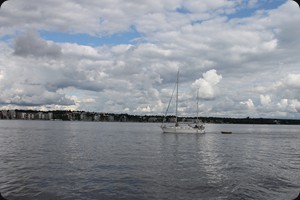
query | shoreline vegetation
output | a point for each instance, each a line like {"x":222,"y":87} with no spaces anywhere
{"x":68,"y":115}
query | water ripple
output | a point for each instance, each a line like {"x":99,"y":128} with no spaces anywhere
{"x":75,"y":160}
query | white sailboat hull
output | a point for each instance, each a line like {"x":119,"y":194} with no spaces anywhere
{"x":182,"y":129}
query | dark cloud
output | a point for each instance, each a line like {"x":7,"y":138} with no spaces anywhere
{"x":78,"y":84}
{"x":31,"y":44}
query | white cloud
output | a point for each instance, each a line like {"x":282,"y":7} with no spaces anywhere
{"x":208,"y":84}
{"x":283,"y":103}
{"x":265,"y":100}
{"x":248,"y":104}
{"x":292,"y":81}
{"x":145,"y":109}
{"x":252,"y":3}
{"x":207,"y":5}
{"x":288,"y":107}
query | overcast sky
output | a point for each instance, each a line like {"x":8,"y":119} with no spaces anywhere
{"x":122,"y":56}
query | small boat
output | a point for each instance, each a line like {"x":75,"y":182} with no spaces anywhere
{"x":226,"y":132}
{"x":197,"y":127}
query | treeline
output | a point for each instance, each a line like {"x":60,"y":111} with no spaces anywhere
{"x":68,"y":115}
{"x":249,"y":120}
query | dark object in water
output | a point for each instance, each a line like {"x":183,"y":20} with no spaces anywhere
{"x":298,"y":197}
{"x":1,"y":197}
{"x":226,"y":132}
{"x":1,"y":2}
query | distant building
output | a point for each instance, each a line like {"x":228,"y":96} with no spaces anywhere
{"x":97,"y":117}
{"x":152,"y":119}
{"x":173,"y":119}
{"x":4,"y":114}
{"x":111,"y":118}
{"x":12,"y":114}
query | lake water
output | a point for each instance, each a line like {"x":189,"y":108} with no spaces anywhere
{"x":55,"y":160}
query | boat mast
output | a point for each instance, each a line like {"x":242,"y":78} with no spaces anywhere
{"x":197,"y":105}
{"x":169,"y":105}
{"x":176,"y":120}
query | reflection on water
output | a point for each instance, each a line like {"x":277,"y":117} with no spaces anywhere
{"x":86,"y":160}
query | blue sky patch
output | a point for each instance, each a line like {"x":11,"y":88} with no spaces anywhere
{"x":183,"y":10}
{"x":85,"y":39}
{"x":261,"y":5}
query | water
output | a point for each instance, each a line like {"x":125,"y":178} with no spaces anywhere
{"x":55,"y":160}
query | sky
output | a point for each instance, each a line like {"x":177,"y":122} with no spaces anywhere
{"x":122,"y":56}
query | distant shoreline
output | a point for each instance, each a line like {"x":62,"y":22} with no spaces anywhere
{"x":64,"y":115}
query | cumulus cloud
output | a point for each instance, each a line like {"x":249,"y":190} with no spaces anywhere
{"x":265,"y":100}
{"x":208,"y":84}
{"x":292,"y":81}
{"x":248,"y":104}
{"x":282,"y":108}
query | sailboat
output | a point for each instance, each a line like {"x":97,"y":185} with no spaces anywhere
{"x":197,"y":127}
